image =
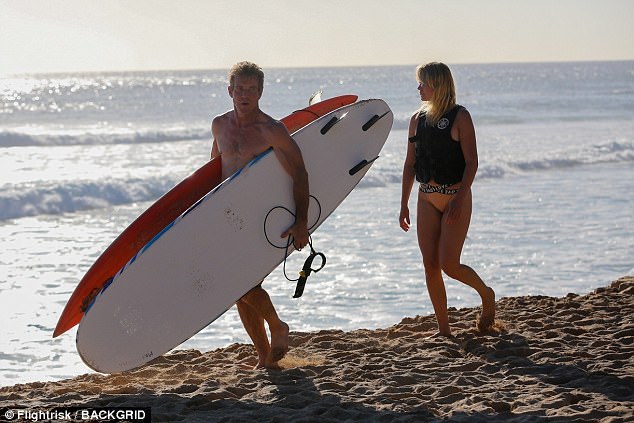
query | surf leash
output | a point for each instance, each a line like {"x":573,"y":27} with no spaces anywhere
{"x":307,"y":269}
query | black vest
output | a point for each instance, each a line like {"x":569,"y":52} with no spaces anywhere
{"x":438,"y":156}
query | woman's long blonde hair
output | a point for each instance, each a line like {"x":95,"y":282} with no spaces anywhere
{"x":437,"y":76}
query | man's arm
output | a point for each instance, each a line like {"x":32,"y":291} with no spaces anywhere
{"x":215,"y":151}
{"x":290,"y":156}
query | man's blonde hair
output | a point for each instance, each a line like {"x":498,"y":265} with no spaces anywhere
{"x":248,"y":69}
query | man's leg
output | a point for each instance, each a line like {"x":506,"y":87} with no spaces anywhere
{"x":254,"y":325}
{"x":255,"y":307}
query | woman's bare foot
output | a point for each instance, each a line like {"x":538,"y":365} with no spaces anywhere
{"x":487,"y":318}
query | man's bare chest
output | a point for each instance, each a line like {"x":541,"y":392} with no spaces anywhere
{"x":239,"y":146}
{"x":243,"y":142}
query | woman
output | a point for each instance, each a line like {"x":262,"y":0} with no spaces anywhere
{"x":442,"y":156}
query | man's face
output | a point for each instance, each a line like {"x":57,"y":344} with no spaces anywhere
{"x":245,"y":92}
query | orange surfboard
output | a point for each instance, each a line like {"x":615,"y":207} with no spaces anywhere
{"x":161,"y":213}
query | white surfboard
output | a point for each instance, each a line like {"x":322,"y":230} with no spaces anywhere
{"x":224,"y":245}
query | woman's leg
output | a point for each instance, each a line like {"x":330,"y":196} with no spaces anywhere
{"x":452,"y":240}
{"x":428,"y":226}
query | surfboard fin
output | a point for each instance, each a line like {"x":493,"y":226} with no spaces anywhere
{"x":374,"y":119}
{"x":315,"y":98}
{"x":329,"y":125}
{"x":363,"y":163}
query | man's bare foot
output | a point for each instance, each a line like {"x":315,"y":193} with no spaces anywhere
{"x":279,"y":346}
{"x":487,"y":318}
{"x":272,"y":366}
{"x":262,"y":365}
{"x":439,"y":335}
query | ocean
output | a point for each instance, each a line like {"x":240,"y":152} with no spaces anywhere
{"x":82,"y":155}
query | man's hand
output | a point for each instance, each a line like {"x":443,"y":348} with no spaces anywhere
{"x":299,"y":232}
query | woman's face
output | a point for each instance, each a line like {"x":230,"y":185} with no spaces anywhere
{"x":425,"y":91}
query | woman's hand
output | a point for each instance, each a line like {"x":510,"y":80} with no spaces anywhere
{"x":454,"y":208}
{"x":403,"y":218}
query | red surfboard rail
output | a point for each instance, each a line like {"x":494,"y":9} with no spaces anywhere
{"x":163,"y":212}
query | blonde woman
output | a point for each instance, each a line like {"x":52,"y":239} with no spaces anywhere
{"x":442,"y":156}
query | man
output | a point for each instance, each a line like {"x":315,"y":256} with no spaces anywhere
{"x":240,"y":135}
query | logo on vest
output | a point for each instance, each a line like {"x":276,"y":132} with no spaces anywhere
{"x":443,"y":123}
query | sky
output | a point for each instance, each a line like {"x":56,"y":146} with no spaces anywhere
{"x":40,"y":36}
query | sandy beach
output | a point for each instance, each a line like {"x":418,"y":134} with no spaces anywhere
{"x":557,"y":359}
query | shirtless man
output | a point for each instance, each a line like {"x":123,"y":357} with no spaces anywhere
{"x":240,"y":135}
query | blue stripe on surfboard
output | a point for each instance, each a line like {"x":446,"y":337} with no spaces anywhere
{"x":176,"y":220}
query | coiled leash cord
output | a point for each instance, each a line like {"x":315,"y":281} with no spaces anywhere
{"x":307,"y":269}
